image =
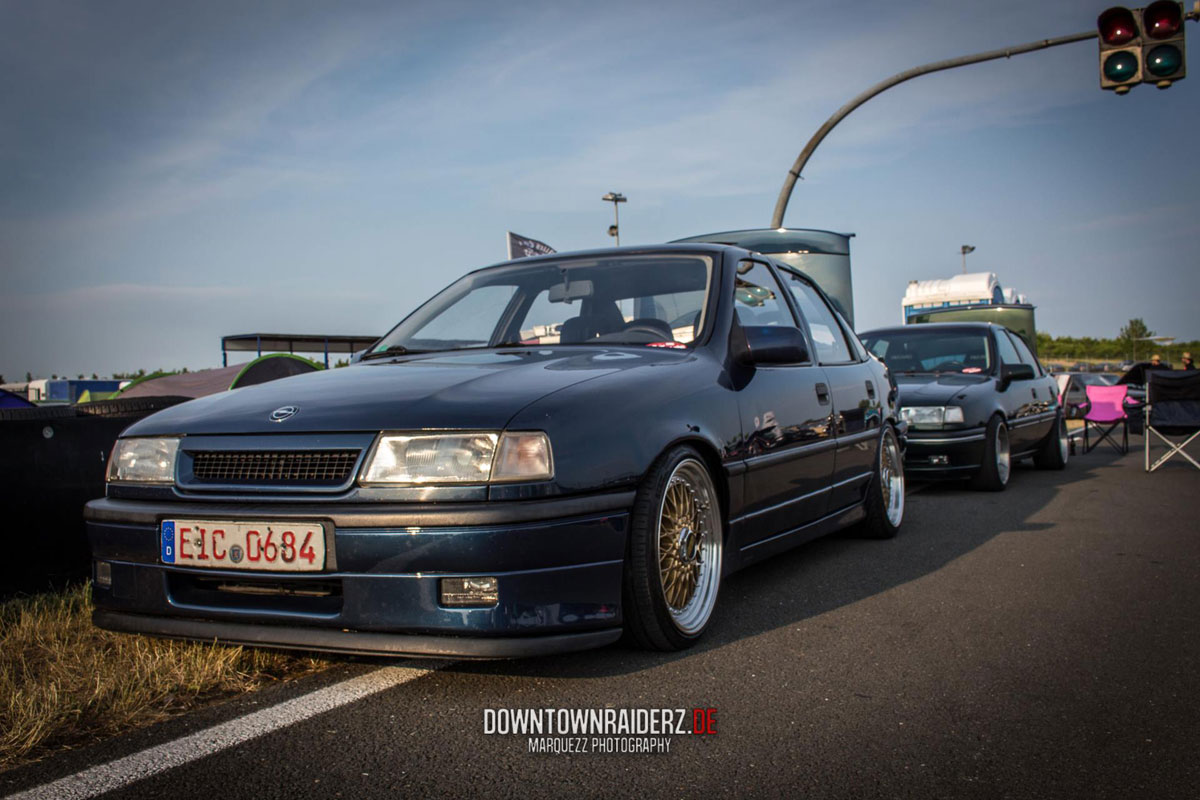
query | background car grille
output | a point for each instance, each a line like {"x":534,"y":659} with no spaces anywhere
{"x":269,"y":467}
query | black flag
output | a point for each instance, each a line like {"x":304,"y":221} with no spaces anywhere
{"x":522,"y":246}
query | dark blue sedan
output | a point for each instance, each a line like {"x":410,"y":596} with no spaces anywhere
{"x":548,"y":452}
{"x":975,"y":398}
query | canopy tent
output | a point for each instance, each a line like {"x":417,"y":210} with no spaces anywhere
{"x":293,"y":343}
{"x":10,"y":400}
{"x":211,"y":381}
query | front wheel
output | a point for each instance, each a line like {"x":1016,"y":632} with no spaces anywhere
{"x":1054,"y":450}
{"x":885,"y":496}
{"x":997,"y":458}
{"x":673,"y":566}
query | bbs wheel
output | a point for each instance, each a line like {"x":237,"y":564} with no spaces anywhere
{"x":673,"y":566}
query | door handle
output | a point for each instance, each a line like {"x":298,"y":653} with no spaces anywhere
{"x":870,"y":391}
{"x":822,"y":394}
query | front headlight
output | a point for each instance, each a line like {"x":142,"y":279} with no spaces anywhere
{"x":141,"y":460}
{"x":931,"y":416}
{"x":459,"y":458}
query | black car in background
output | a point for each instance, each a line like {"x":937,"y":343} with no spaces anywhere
{"x":546,"y":452}
{"x":975,"y":399}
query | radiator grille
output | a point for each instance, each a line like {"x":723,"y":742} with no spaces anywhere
{"x":270,"y":467}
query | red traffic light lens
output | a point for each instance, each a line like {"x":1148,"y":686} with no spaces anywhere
{"x":1117,"y":25}
{"x":1162,"y":19}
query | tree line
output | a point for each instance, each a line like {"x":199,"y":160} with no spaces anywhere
{"x":1129,"y":344}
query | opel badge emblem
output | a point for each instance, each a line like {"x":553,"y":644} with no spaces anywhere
{"x":284,"y":412}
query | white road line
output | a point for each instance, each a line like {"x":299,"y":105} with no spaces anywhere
{"x":125,"y":771}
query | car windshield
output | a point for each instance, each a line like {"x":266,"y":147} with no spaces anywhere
{"x":658,"y":300}
{"x":915,"y":351}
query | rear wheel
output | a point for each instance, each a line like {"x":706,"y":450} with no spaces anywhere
{"x":997,"y":458}
{"x":673,"y":567}
{"x":1053,"y":453}
{"x":885,"y":497}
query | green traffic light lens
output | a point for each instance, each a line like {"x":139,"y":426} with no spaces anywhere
{"x":1164,"y":60}
{"x":1122,"y":66}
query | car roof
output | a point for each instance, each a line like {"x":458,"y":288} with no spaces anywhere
{"x":635,"y":250}
{"x":940,"y":326}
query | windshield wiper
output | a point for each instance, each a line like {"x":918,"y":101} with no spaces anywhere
{"x":392,"y":350}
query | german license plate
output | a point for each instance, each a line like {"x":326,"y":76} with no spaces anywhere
{"x":268,"y":546}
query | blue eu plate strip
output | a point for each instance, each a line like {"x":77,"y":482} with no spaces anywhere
{"x":168,"y":542}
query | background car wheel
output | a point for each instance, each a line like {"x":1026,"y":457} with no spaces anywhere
{"x":1053,"y":452}
{"x":997,"y":459}
{"x":673,"y":565}
{"x":885,"y":497}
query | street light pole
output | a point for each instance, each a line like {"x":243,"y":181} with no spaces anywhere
{"x":966,"y":248}
{"x":615,"y":229}
{"x":793,"y":175}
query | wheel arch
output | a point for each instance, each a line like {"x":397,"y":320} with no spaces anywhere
{"x":712,"y":460}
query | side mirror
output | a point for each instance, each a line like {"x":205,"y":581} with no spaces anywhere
{"x":1015,"y":372}
{"x":774,"y":344}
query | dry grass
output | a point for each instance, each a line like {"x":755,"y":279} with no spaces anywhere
{"x":64,"y":683}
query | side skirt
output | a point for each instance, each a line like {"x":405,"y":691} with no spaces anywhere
{"x":765,"y":548}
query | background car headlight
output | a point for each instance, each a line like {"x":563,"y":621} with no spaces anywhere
{"x":931,"y":416}
{"x":143,"y":460}
{"x":459,"y":458}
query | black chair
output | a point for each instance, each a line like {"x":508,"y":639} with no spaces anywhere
{"x":1172,"y":411}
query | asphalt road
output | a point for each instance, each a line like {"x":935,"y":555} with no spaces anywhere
{"x":1038,"y":643}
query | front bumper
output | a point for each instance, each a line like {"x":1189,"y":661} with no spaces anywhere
{"x":558,"y":563}
{"x":944,"y":454}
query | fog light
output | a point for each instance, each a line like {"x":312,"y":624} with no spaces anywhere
{"x":476,"y":592}
{"x":104,"y":574}
{"x":939,"y":461}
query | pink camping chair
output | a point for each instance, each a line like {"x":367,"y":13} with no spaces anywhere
{"x":1105,"y":406}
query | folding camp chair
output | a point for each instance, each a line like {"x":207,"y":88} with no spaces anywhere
{"x":1104,"y":410}
{"x":1172,"y":410}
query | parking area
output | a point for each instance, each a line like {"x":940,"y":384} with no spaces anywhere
{"x":1039,"y":642}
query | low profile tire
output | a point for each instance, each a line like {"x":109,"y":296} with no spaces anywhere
{"x":997,"y":458}
{"x":673,"y":561}
{"x":1054,"y":451}
{"x":885,"y":496}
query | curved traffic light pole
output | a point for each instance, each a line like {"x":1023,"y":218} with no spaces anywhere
{"x":789,"y":183}
{"x":785,"y":194}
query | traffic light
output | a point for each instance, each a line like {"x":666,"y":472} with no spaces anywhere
{"x":1120,"y":49}
{"x":1163,"y":47}
{"x":1142,"y":45}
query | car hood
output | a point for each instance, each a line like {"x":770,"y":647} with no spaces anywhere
{"x":928,"y":389}
{"x":476,"y":390}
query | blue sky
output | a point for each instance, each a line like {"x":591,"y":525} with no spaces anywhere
{"x":173,"y":172}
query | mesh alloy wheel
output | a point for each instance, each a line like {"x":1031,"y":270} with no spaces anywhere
{"x":689,"y":546}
